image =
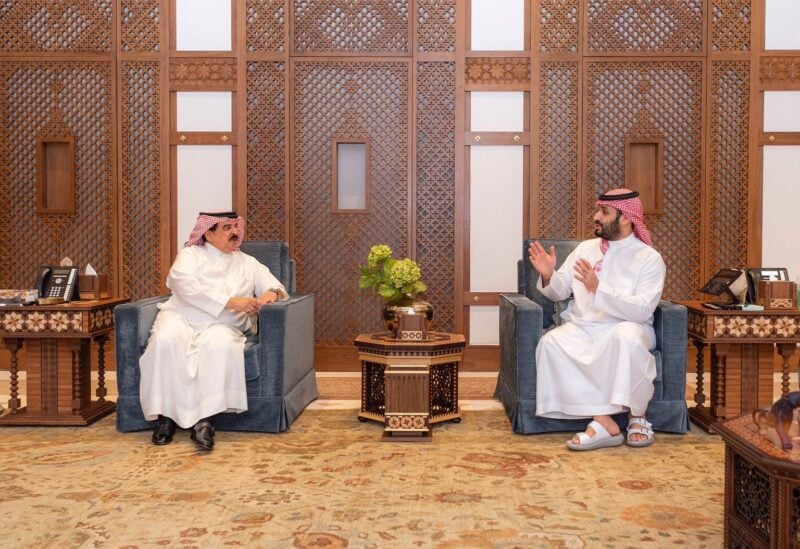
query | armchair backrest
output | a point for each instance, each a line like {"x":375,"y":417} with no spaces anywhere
{"x":275,"y":255}
{"x":527,"y":277}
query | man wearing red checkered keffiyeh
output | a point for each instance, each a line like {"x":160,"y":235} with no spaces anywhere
{"x":193,"y":367}
{"x":598,"y":363}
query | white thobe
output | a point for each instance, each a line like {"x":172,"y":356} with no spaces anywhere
{"x":599,"y":361}
{"x":193,"y":366}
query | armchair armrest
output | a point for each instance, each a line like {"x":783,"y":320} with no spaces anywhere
{"x":520,"y":331}
{"x":132,"y":325}
{"x":286,"y":344}
{"x":672,"y":339}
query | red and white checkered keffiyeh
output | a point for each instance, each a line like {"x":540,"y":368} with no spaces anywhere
{"x":206,"y":220}
{"x":631,"y":207}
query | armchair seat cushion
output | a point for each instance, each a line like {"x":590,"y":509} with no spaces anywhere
{"x":526,"y":315}
{"x":278,"y":361}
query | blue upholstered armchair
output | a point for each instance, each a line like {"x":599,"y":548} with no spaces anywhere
{"x":279,"y":361}
{"x":525,"y":316}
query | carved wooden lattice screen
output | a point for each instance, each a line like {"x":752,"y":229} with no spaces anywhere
{"x":347,"y":100}
{"x":435,"y":155}
{"x":266,"y":121}
{"x":45,"y":98}
{"x":143,"y":196}
{"x":337,"y":98}
{"x":645,"y":100}
{"x":71,"y":98}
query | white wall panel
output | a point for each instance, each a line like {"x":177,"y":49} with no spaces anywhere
{"x":495,"y":217}
{"x":497,"y":111}
{"x":782,"y":111}
{"x":205,"y":183}
{"x":498,"y":25}
{"x":204,"y":111}
{"x":781,"y":204}
{"x":484,"y":325}
{"x":782,"y":23}
{"x":203,"y":25}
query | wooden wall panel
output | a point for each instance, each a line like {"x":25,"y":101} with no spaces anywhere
{"x":558,"y":150}
{"x":140,"y":25}
{"x":142,"y":194}
{"x":348,"y":100}
{"x":435,"y":186}
{"x":63,"y":99}
{"x":34,"y":26}
{"x":650,"y":100}
{"x":667,"y":27}
{"x":266,"y":151}
{"x":351,"y":26}
{"x":266,"y":25}
{"x":727,"y":189}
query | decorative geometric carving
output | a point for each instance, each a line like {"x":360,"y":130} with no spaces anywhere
{"x":351,"y":26}
{"x":56,"y":26}
{"x":671,"y":26}
{"x":499,"y":71}
{"x":266,"y":147}
{"x":558,"y":20}
{"x":436,"y":25}
{"x":36,"y":322}
{"x":202,"y":74}
{"x":558,"y":150}
{"x":728,"y":197}
{"x":752,"y":494}
{"x":266,"y":23}
{"x":75,"y":96}
{"x":142,"y":196}
{"x":435,"y":215}
{"x":770,"y":327}
{"x":140,"y":25}
{"x":730,"y":25}
{"x":347,"y":98}
{"x":651,"y":98}
{"x":780,"y":70}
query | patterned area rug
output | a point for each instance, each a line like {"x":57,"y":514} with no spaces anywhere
{"x":331,"y":482}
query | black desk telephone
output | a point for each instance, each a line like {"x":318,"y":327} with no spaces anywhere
{"x":56,"y":283}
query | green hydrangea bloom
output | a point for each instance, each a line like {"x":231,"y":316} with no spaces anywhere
{"x":404,"y":273}
{"x":377,"y":254}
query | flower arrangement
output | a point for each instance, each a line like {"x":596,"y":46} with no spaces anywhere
{"x":391,"y":278}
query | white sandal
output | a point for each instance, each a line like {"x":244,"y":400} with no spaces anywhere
{"x":601,"y":439}
{"x":640,"y":426}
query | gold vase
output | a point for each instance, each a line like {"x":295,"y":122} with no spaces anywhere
{"x":408,"y":304}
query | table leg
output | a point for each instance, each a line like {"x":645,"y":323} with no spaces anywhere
{"x":14,"y":345}
{"x":75,"y":348}
{"x":101,"y":368}
{"x":718,"y":373}
{"x":786,"y":350}
{"x":699,"y":395}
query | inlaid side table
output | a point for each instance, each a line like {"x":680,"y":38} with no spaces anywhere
{"x":762,"y":488}
{"x":57,"y":341}
{"x":742,"y":349}
{"x":409,"y":385}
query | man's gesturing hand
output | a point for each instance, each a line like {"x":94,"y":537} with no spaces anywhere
{"x":543,"y":261}
{"x":584,"y":272}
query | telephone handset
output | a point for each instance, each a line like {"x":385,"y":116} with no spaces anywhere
{"x":56,"y":284}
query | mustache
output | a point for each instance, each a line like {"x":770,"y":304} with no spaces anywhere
{"x":234,"y":237}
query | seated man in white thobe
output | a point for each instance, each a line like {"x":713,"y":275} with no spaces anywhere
{"x":598,"y":363}
{"x":193,"y":367}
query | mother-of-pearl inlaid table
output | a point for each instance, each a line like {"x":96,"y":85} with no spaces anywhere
{"x":742,"y":347}
{"x":57,"y":341}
